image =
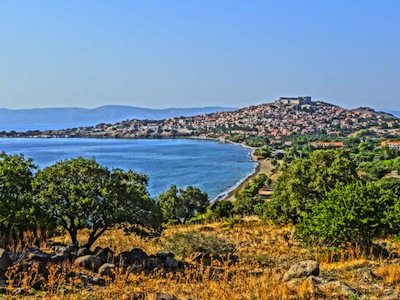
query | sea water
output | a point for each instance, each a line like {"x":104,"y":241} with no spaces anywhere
{"x":214,"y":167}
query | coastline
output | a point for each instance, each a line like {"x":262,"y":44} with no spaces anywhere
{"x":263,"y":167}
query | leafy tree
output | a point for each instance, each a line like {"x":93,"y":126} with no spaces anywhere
{"x":182,"y":204}
{"x":246,"y":199}
{"x":352,"y":213}
{"x":305,"y":181}
{"x":18,"y":211}
{"x":79,"y":193}
{"x":222,"y":208}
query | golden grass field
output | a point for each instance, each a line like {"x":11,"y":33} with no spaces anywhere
{"x":265,"y":252}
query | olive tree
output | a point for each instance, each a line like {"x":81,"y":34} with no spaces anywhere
{"x":18,"y":211}
{"x":80,"y":193}
{"x":182,"y":204}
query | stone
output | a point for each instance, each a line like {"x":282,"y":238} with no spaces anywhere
{"x":367,"y":276}
{"x":124,"y":258}
{"x":337,"y":286}
{"x":63,"y":250}
{"x":5,"y":262}
{"x":163,"y":296}
{"x":107,"y":270}
{"x":302,"y":269}
{"x":90,"y":262}
{"x":92,"y":280}
{"x":171,"y":263}
{"x":105,"y":254}
{"x":138,"y":256}
{"x":83,"y":251}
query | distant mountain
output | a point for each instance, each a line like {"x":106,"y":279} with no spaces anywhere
{"x":68,"y":117}
{"x":393,"y":112}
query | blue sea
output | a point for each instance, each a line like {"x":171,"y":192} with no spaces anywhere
{"x":211,"y":166}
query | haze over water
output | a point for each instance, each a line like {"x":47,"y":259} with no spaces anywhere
{"x":211,"y":166}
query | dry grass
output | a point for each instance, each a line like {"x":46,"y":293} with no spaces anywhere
{"x":265,"y":252}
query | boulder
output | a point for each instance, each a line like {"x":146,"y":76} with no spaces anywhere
{"x":171,"y":263}
{"x":107,"y":270}
{"x":336,"y":286}
{"x":83,"y":251}
{"x":5,"y":262}
{"x":124,"y":258}
{"x":163,"y":296}
{"x":302,"y":269}
{"x":105,"y":254}
{"x":63,"y":250}
{"x":138,"y":256}
{"x":90,"y":262}
{"x":92,"y":280}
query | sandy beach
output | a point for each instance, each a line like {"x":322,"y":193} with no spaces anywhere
{"x":263,"y":167}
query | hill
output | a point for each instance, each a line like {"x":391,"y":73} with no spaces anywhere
{"x":66,"y":117}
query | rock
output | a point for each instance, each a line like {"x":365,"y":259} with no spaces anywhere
{"x":63,"y":250}
{"x":154,"y":262}
{"x":124,"y":258}
{"x":367,"y":276}
{"x":34,"y":253}
{"x":83,"y":252}
{"x":336,"y":286}
{"x":302,"y":269}
{"x":138,"y":256}
{"x":105,"y":254}
{"x":199,"y":257}
{"x":163,"y":296}
{"x":92,"y":280}
{"x":171,"y":263}
{"x":90,"y":262}
{"x":135,"y":296}
{"x":107,"y":270}
{"x":5,"y":262}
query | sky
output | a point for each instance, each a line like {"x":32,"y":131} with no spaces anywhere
{"x":159,"y":54}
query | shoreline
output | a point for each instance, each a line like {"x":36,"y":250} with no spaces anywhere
{"x":263,"y":167}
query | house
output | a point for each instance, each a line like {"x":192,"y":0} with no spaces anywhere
{"x":327,"y":144}
{"x":391,"y":145}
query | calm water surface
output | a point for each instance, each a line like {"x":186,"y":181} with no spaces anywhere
{"x":211,"y":166}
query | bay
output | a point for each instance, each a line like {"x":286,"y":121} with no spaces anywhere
{"x":211,"y":166}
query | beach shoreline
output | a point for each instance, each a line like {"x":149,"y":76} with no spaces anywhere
{"x":263,"y":167}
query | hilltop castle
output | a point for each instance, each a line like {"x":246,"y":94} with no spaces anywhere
{"x":294,"y":101}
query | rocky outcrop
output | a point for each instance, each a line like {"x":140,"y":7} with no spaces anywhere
{"x":90,"y":262}
{"x":302,"y":269}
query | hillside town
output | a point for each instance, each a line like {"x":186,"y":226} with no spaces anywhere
{"x":281,"y":119}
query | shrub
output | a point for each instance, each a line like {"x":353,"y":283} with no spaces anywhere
{"x":353,"y":214}
{"x":183,"y":244}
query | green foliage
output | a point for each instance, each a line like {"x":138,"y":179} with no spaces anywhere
{"x":246,"y":199}
{"x":234,"y":221}
{"x":185,"y":243}
{"x":18,"y":211}
{"x":222,"y":209}
{"x":355,"y":213}
{"x":304,"y":182}
{"x":79,"y":193}
{"x":182,"y":204}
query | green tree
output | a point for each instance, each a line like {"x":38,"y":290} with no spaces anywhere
{"x":304,"y":182}
{"x":222,"y":208}
{"x":246,"y":198}
{"x":18,"y":211}
{"x":79,"y":193}
{"x":182,"y":204}
{"x":353,"y":213}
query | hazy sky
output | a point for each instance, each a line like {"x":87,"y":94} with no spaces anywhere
{"x":183,"y":53}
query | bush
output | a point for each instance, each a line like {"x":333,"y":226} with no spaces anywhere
{"x":355,"y":213}
{"x":222,"y":208}
{"x":183,"y":244}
